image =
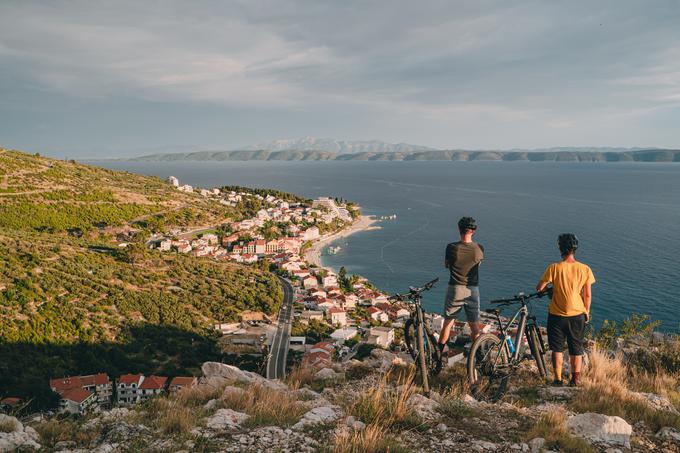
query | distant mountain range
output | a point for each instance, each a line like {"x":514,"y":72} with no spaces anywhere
{"x":327,"y":149}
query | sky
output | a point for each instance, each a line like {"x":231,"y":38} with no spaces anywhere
{"x":112,"y":79}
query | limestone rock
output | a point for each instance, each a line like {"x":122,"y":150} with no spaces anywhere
{"x":598,"y":428}
{"x":226,"y":419}
{"x":669,"y":433}
{"x":327,"y":374}
{"x":658,"y":402}
{"x":321,"y":414}
{"x":216,"y":373}
{"x":19,"y":436}
{"x":559,"y":393}
{"x":425,"y":407}
{"x":536,"y":444}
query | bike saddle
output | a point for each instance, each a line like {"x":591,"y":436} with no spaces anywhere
{"x":493,"y":311}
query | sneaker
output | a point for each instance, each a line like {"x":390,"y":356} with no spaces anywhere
{"x":557,"y":383}
{"x":575,"y":380}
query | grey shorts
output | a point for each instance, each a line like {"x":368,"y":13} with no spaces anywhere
{"x":458,"y":297}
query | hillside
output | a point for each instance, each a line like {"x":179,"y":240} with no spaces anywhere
{"x":377,"y":406}
{"x":73,"y":301}
{"x":557,"y":155}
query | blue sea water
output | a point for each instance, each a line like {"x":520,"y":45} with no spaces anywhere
{"x":627,"y":217}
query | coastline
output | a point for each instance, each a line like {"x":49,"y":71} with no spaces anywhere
{"x":363,"y":223}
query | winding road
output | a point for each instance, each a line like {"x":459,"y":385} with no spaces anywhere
{"x":278,"y":353}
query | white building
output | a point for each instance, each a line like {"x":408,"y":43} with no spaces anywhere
{"x":344,"y":333}
{"x":174,"y":181}
{"x":381,"y":336}
{"x":337,"y":316}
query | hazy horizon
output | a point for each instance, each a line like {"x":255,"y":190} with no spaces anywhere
{"x":92,"y":79}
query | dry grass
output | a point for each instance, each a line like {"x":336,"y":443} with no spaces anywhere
{"x":452,"y":380}
{"x":198,"y":395}
{"x":299,"y":376}
{"x":55,"y":431}
{"x":385,"y":407}
{"x":372,"y":439}
{"x":265,"y":406}
{"x":552,"y":426}
{"x":455,"y":409}
{"x":170,"y":416}
{"x":8,"y":425}
{"x":607,"y":390}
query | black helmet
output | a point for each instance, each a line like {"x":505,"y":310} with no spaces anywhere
{"x":467,"y":223}
{"x":568,"y":243}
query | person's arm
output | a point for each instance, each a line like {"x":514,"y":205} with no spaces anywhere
{"x":446,"y":256}
{"x":545,"y":279}
{"x":587,"y":295}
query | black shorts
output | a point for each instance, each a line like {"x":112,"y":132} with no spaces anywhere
{"x":569,"y":329}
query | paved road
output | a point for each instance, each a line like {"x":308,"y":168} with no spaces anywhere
{"x":276,"y":365}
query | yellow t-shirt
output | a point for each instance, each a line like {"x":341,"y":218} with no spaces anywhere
{"x":568,"y":279}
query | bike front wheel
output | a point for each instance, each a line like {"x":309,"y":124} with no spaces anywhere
{"x":535,"y":346}
{"x":488,"y":368}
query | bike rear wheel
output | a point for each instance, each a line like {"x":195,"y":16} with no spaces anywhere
{"x":487,"y":368}
{"x":410,"y":338}
{"x":536,"y":348}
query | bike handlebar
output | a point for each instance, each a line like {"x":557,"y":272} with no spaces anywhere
{"x":414,"y":291}
{"x":523,"y":298}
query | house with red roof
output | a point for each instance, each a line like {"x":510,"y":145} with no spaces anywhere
{"x":127,"y":388}
{"x":97,"y":384}
{"x":152,"y":386}
{"x":377,"y":314}
{"x":77,"y":401}
{"x":337,"y":316}
{"x":182,"y":382}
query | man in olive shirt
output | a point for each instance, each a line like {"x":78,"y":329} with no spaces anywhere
{"x":569,"y":309}
{"x":462,"y":259}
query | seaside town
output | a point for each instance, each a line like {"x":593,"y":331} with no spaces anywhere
{"x":336,"y":317}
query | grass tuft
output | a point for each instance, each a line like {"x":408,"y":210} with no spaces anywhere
{"x":372,"y":439}
{"x":552,"y":426}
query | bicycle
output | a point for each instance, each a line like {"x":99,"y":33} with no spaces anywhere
{"x":494,"y":358}
{"x":419,"y":338}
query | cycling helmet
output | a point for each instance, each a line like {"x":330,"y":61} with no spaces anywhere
{"x":567,"y":243}
{"x":467,"y":223}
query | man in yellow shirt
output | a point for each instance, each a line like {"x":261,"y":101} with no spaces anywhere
{"x":569,"y":309}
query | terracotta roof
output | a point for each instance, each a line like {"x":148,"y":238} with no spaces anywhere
{"x":129,"y":379}
{"x":335,"y":310}
{"x":183,"y":381}
{"x":10,"y":401}
{"x":372,"y":310}
{"x":76,"y":395}
{"x":153,"y":383}
{"x":61,"y":384}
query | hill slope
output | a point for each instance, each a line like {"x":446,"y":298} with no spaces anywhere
{"x":72,"y":301}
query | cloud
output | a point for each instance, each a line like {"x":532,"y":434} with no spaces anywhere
{"x":559,"y":65}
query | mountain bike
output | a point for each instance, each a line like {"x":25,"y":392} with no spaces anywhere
{"x":495,"y":357}
{"x":418,"y":336}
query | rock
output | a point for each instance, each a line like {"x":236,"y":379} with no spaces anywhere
{"x":12,"y":424}
{"x":558,"y":393}
{"x":657,"y":402}
{"x":536,"y":444}
{"x":226,"y":419}
{"x":216,"y":373}
{"x":598,"y":428}
{"x":669,"y":433}
{"x":469,"y":400}
{"x":211,"y":405}
{"x":327,"y":374}
{"x":442,"y":428}
{"x":425,"y":407}
{"x":322,"y":414}
{"x":482,"y":445}
{"x":307,"y":394}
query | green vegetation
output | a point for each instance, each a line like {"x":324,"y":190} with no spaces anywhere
{"x":635,"y":324}
{"x":72,"y":301}
{"x":315,"y":331}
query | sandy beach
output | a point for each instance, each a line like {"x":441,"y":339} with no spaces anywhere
{"x":363,"y":223}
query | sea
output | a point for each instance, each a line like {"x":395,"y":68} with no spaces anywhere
{"x":626,"y":215}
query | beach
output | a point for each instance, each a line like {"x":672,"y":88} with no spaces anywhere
{"x":363,"y":223}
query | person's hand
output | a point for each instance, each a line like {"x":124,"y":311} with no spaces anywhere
{"x":587,"y":318}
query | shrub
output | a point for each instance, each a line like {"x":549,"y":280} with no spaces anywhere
{"x":265,"y":406}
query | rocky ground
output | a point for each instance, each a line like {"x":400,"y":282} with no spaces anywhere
{"x":375,"y":406}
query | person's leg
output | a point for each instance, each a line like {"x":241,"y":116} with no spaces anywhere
{"x":576,"y":330}
{"x":472,"y":311}
{"x":556,"y":342}
{"x":446,"y":331}
{"x":557,"y":358}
